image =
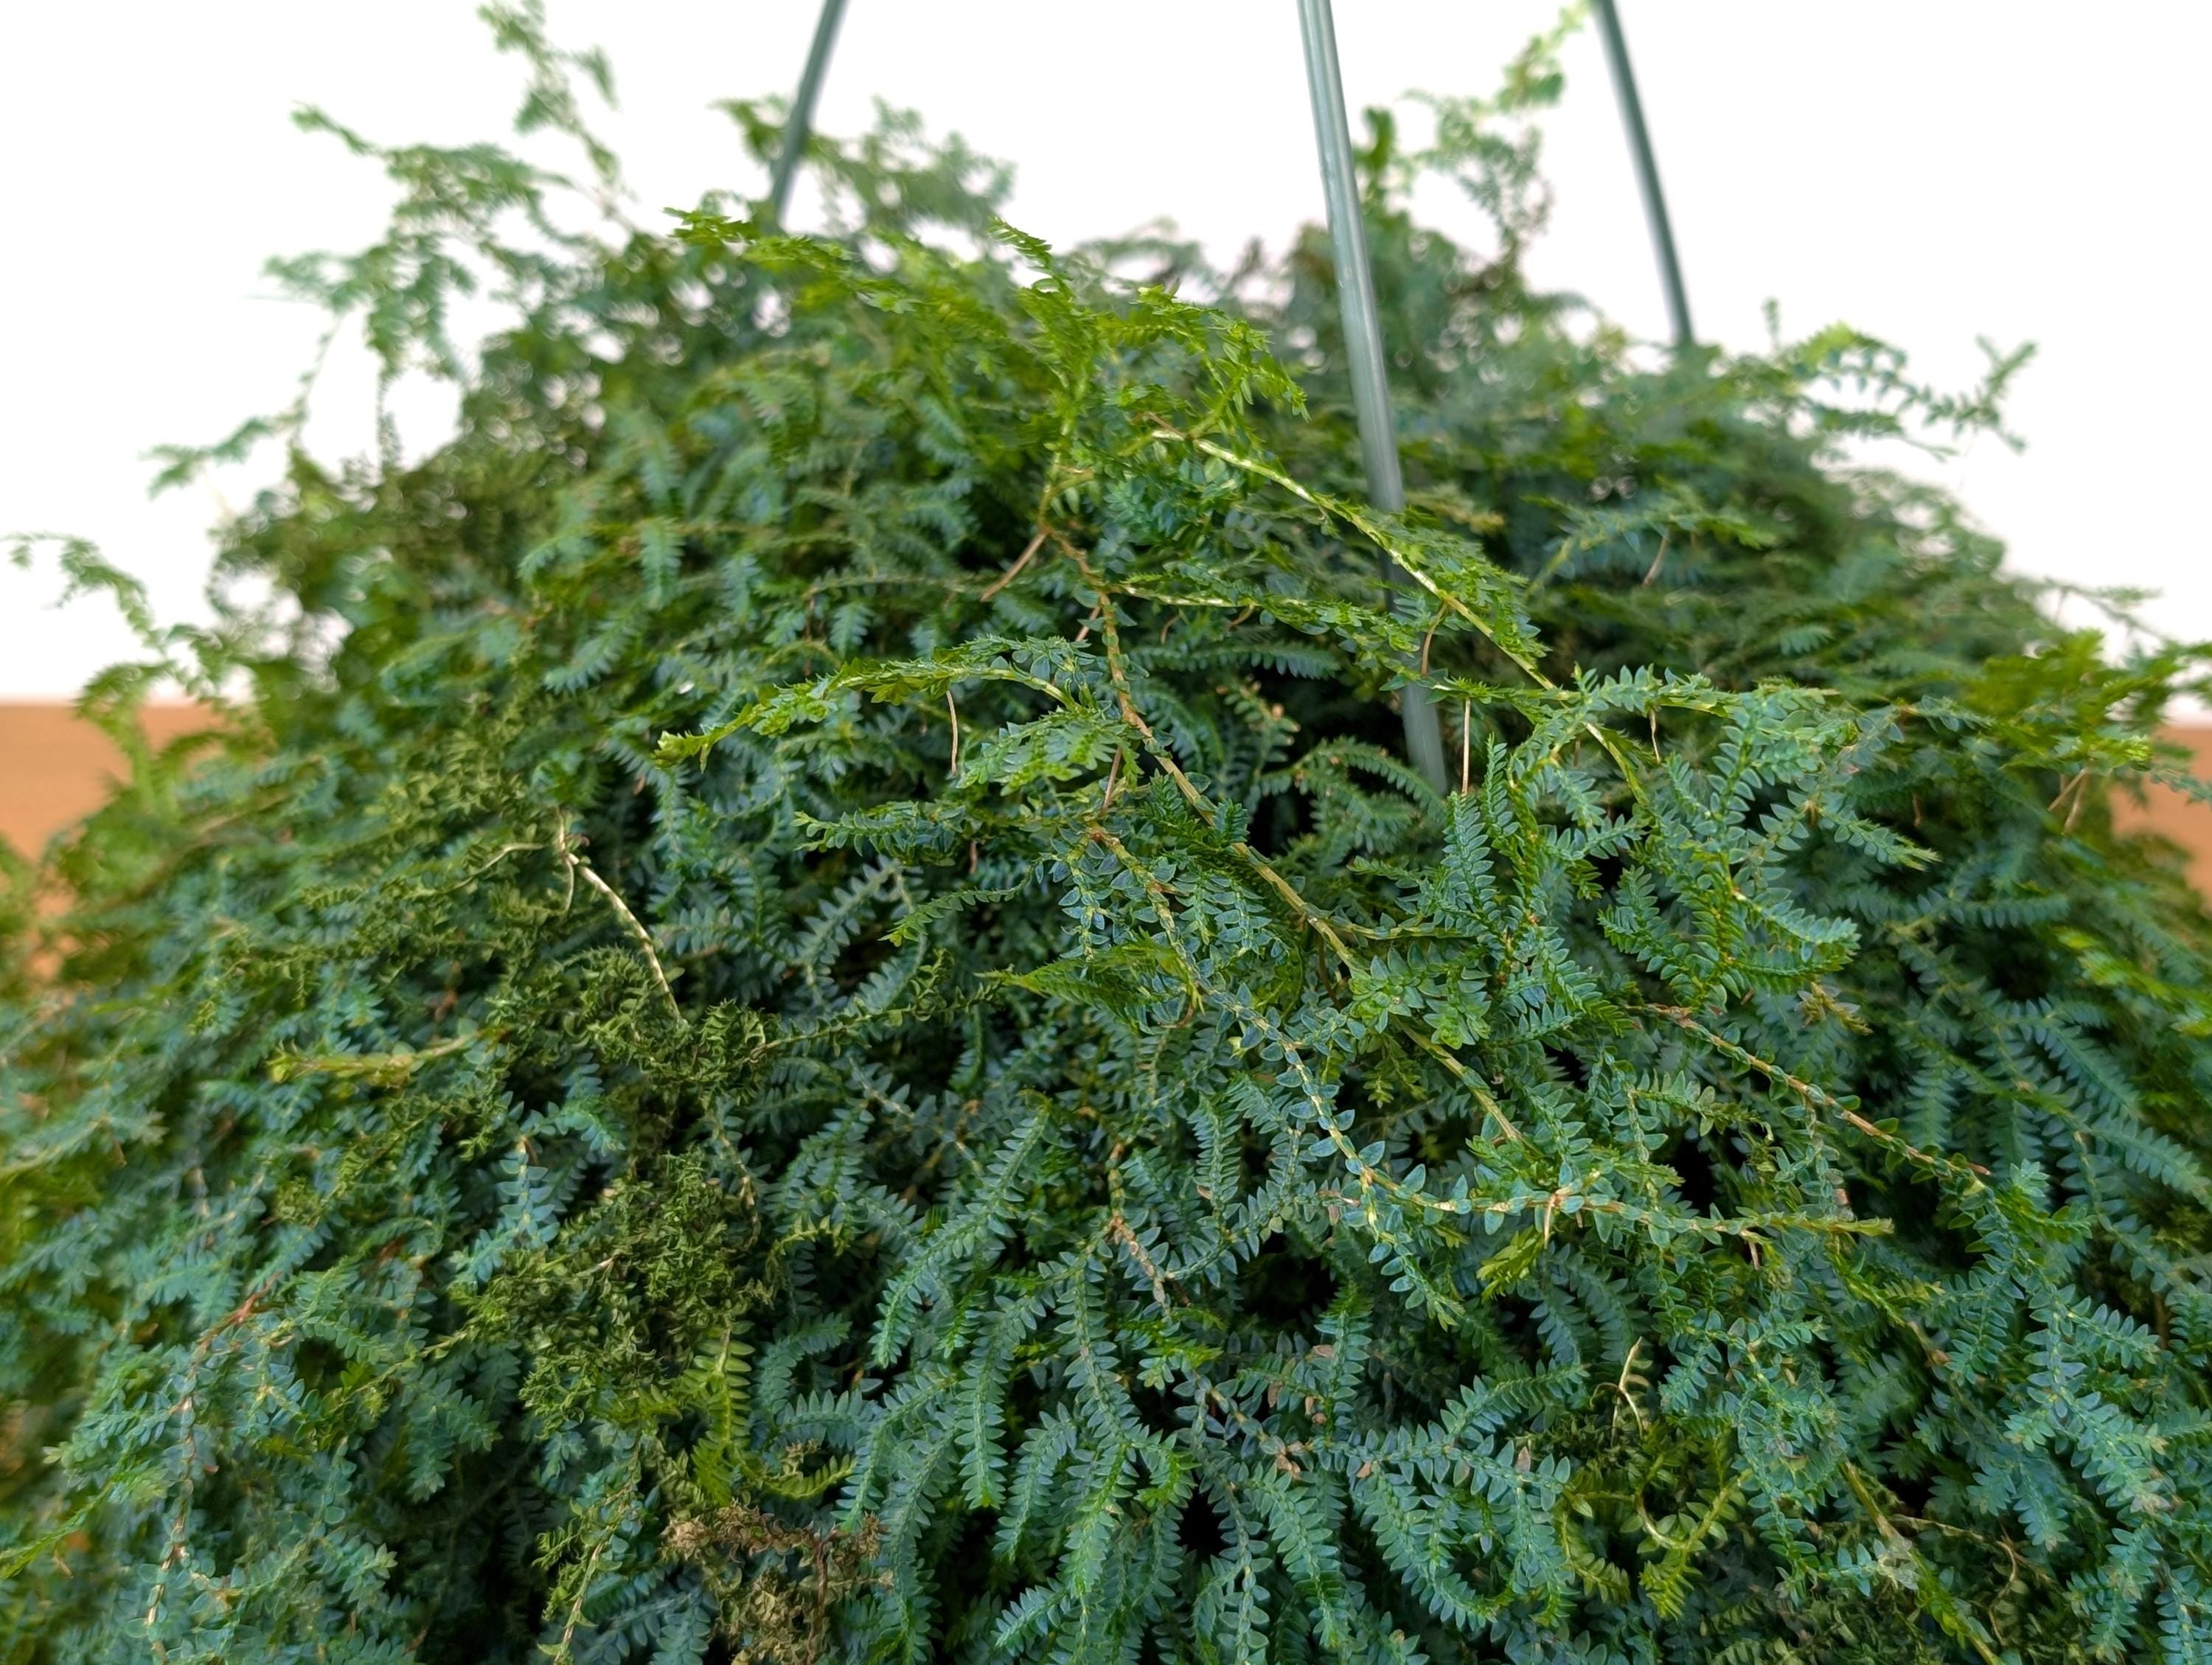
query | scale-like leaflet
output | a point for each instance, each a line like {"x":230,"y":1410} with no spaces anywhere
{"x":964,"y":1244}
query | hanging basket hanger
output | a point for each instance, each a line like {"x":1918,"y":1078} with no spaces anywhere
{"x":1647,"y":171}
{"x":1355,"y":279}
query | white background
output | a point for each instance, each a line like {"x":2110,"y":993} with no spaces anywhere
{"x":1929,"y":170}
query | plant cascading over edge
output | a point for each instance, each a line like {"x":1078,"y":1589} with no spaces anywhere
{"x":801,"y":1011}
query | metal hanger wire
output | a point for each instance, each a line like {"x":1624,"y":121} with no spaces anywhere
{"x":1363,"y":345}
{"x":1355,"y":277}
{"x":800,"y":124}
{"x":1647,"y":170}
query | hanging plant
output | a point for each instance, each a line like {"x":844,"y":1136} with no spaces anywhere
{"x":802,"y":1010}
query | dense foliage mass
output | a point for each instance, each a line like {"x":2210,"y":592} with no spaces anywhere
{"x":803,"y":1013}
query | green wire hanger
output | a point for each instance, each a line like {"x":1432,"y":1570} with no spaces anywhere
{"x":1355,"y":284}
{"x":1647,"y":170}
{"x":801,"y":124}
{"x":1363,"y":345}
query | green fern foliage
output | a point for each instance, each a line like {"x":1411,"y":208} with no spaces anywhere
{"x":802,"y":1011}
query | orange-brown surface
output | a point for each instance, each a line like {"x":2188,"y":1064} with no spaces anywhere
{"x":54,"y":767}
{"x":2184,"y":821}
